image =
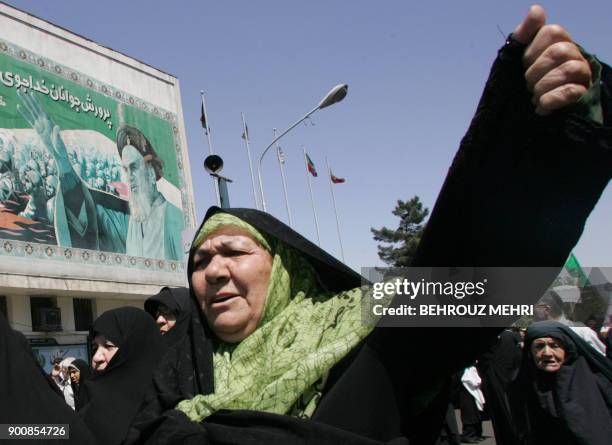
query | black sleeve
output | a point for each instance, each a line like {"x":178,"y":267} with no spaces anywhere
{"x":521,"y":186}
{"x":518,"y":193}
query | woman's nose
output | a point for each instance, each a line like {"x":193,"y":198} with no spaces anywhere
{"x":217,"y":270}
{"x":97,"y":357}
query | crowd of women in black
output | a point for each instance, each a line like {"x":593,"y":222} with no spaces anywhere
{"x":267,"y":344}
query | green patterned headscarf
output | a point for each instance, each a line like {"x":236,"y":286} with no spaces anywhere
{"x":304,"y":331}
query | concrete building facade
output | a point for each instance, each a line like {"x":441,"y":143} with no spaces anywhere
{"x":91,"y":220}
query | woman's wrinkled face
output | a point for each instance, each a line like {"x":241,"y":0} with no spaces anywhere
{"x":548,"y":354}
{"x":230,"y":278}
{"x":165,"y":319}
{"x":75,"y":375}
{"x":104,"y":350}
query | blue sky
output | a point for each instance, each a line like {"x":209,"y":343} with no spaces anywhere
{"x":415,"y":72}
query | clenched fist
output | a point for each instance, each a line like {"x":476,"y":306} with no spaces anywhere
{"x":556,"y":72}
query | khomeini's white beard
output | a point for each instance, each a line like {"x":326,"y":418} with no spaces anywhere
{"x":141,"y":198}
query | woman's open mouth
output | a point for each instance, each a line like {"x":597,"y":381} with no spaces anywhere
{"x":222,"y":298}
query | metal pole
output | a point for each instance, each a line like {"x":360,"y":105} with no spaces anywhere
{"x":223,"y":193}
{"x":282,"y":170}
{"x":331,"y":187}
{"x":314,"y":210}
{"x":210,"y":147}
{"x":261,"y":188}
{"x":246,"y":140}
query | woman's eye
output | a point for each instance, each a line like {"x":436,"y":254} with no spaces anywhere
{"x":201,"y":263}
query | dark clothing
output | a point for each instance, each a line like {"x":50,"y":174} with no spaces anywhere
{"x":497,"y":368}
{"x":570,"y":406}
{"x":178,"y":303}
{"x":85,"y":373}
{"x":112,"y":398}
{"x":471,"y":420}
{"x":386,"y":389}
{"x":28,"y":395}
{"x":393,"y":387}
{"x":450,"y":430}
{"x":174,"y":377}
{"x":510,"y":159}
{"x":109,"y":399}
{"x":608,"y":343}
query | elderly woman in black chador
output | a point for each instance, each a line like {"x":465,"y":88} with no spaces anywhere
{"x":127,"y":348}
{"x":563,"y":393}
{"x":281,"y":354}
{"x":278,"y":348}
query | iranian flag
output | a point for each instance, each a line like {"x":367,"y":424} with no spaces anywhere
{"x":336,"y":179}
{"x":310,"y":166}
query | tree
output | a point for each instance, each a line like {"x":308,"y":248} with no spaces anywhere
{"x":402,"y":242}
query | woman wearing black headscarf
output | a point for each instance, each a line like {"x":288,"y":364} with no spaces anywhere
{"x":174,"y":377}
{"x":79,"y":371}
{"x":280,"y":350}
{"x":127,"y":347}
{"x":281,"y":353}
{"x":171,"y":310}
{"x":563,"y":393}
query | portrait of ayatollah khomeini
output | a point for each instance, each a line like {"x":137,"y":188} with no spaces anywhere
{"x":146,"y":225}
{"x":150,"y":212}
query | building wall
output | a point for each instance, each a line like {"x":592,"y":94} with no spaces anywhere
{"x":133,"y":93}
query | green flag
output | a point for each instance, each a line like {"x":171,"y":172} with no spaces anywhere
{"x":572,"y":266}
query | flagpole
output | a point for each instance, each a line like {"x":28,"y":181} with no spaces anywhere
{"x":282,"y":170}
{"x":210,"y":147}
{"x":248,"y":148}
{"x":331,"y":187}
{"x":314,"y":210}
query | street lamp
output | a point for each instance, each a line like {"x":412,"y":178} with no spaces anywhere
{"x":336,"y":94}
{"x":213,"y":164}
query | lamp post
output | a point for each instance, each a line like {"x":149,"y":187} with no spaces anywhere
{"x":213,"y":164}
{"x":336,"y":94}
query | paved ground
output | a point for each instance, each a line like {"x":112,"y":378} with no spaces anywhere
{"x":487,"y":430}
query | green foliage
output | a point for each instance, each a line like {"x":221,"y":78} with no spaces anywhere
{"x":400,"y":245}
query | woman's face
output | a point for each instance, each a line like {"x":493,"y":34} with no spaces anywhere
{"x":75,"y":375}
{"x":548,"y":354}
{"x":165,"y":319}
{"x":104,"y":352}
{"x":230,"y":279}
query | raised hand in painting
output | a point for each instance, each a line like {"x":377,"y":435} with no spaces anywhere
{"x":37,"y":117}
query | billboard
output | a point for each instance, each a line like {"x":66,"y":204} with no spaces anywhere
{"x":46,"y":354}
{"x":89,"y":173}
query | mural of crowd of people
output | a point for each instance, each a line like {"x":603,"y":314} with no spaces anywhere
{"x":29,"y":179}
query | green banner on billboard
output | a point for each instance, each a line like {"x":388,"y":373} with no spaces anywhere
{"x":86,"y":167}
